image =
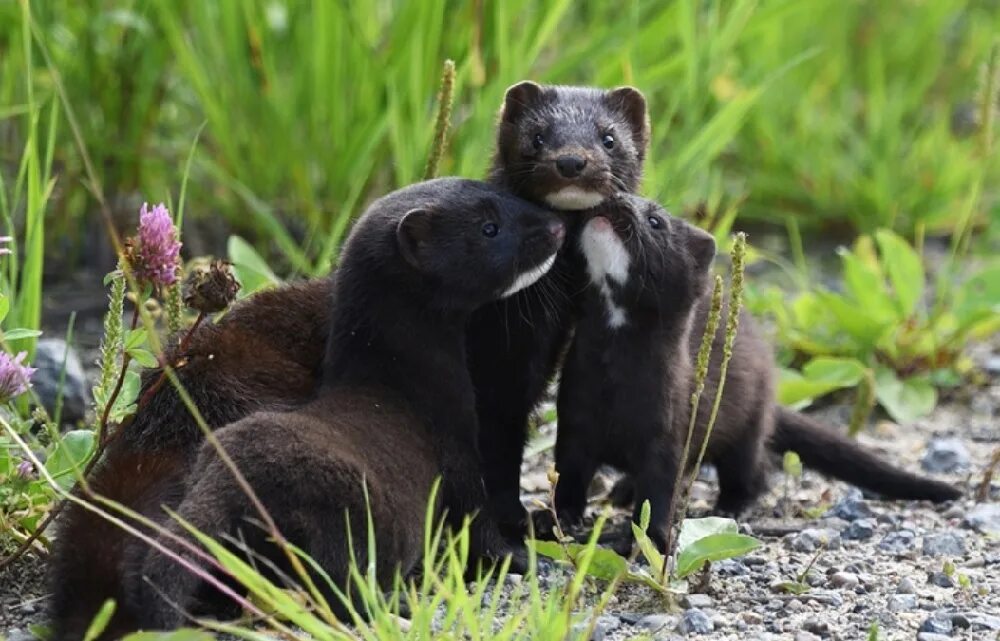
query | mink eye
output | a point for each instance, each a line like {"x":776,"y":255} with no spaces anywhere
{"x":490,"y":230}
{"x":608,"y":141}
{"x":654,"y":222}
{"x":537,"y":141}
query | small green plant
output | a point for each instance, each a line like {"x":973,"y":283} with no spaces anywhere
{"x":791,"y":465}
{"x":881,"y":333}
{"x":799,"y":584}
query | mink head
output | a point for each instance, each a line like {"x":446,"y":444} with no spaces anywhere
{"x":571,"y":147}
{"x":454,"y":244}
{"x":644,"y":260}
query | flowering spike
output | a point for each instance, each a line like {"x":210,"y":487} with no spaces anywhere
{"x":155,"y":254}
{"x":15,"y":377}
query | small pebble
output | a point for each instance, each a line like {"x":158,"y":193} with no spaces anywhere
{"x":844,"y":580}
{"x":860,"y":530}
{"x":945,"y":455}
{"x":812,"y":539}
{"x":945,"y":544}
{"x":604,"y":625}
{"x":984,"y":621}
{"x":656,"y":622}
{"x":852,"y":507}
{"x":931,"y":636}
{"x":984,"y":518}
{"x":941,"y":580}
{"x":898,"y":542}
{"x":752,"y":618}
{"x":694,"y":621}
{"x":938,"y":623}
{"x":697,"y":601}
{"x":802,"y":635}
{"x":906,"y":586}
{"x":902,"y":602}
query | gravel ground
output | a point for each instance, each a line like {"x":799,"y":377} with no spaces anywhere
{"x":918,"y":570}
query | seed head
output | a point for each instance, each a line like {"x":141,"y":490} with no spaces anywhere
{"x":155,"y":254}
{"x":211,"y":288}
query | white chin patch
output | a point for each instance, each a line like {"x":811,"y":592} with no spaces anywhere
{"x":606,"y":257}
{"x":528,"y":278}
{"x":606,"y":254}
{"x":571,"y":198}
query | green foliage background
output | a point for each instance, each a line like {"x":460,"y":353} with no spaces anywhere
{"x":835,"y":115}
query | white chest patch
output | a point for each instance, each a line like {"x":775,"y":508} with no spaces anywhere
{"x":607,"y":258}
{"x":528,"y":278}
{"x":572,"y":198}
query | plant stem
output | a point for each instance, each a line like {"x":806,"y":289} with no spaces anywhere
{"x":983,"y":493}
{"x":701,"y":372}
{"x":443,"y":121}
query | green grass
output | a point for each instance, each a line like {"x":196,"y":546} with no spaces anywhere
{"x":834,"y":116}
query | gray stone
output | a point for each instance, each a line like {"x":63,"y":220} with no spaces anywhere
{"x":945,"y":455}
{"x":16,"y":634}
{"x":860,"y":530}
{"x":941,"y":580}
{"x":898,"y":542}
{"x":852,"y":507}
{"x":944,"y":544}
{"x":694,"y":621}
{"x":844,"y":580}
{"x":984,"y":518}
{"x":603,"y":626}
{"x":76,"y":393}
{"x":697,"y":601}
{"x":730,"y":567}
{"x":983,"y":621}
{"x":656,"y":623}
{"x":802,"y":635}
{"x":906,"y":586}
{"x":902,"y":602}
{"x":812,"y":539}
{"x":959,"y":620}
{"x":931,"y":636}
{"x":938,"y":623}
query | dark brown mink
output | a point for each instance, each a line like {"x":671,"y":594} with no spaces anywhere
{"x":395,"y":407}
{"x":624,"y":397}
{"x":568,"y":148}
{"x":265,"y":353}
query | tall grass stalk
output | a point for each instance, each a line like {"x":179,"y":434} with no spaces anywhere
{"x":442,"y":123}
{"x":701,"y":373}
{"x":732,"y":328}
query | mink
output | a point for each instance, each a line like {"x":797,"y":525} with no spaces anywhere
{"x":624,"y":395}
{"x":267,"y":351}
{"x":394,"y":407}
{"x":568,"y":148}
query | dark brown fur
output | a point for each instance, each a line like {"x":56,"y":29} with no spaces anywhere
{"x":396,"y":406}
{"x":515,"y":344}
{"x":266,"y":352}
{"x":624,"y":395}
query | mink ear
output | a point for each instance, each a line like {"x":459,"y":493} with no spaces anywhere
{"x":630,"y":102}
{"x":518,"y":98}
{"x":412,"y":234}
{"x":701,"y":244}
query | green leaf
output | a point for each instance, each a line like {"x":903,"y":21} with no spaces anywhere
{"x":135,"y":337}
{"x":15,"y":334}
{"x":4,"y":307}
{"x":792,"y":587}
{"x":250,"y":269}
{"x":143,"y":356}
{"x":100,"y":621}
{"x":905,"y":400}
{"x":866,"y":286}
{"x":694,"y":529}
{"x":905,"y":269}
{"x":184,"y":634}
{"x":844,"y":372}
{"x":72,"y":451}
{"x":716,"y":547}
{"x":550,"y":549}
{"x":792,"y":464}
{"x":605,"y":563}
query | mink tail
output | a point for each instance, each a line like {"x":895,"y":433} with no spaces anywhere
{"x":838,"y":456}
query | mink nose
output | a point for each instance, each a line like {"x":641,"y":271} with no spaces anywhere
{"x":570,"y":166}
{"x":557,"y":230}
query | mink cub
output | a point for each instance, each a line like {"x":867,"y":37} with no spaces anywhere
{"x":624,"y":397}
{"x":396,"y":405}
{"x":568,"y":148}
